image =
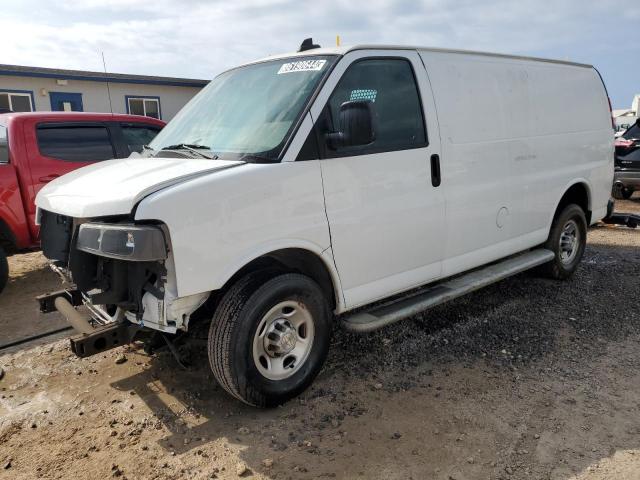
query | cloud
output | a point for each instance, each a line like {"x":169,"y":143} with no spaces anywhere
{"x":200,"y":38}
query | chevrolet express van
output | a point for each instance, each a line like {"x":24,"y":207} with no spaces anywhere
{"x":353,"y":184}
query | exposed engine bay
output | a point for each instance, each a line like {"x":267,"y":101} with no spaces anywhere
{"x":119,"y":271}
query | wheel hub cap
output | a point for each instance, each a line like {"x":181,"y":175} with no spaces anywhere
{"x":280,"y":339}
{"x":569,"y":242}
{"x":283,"y":340}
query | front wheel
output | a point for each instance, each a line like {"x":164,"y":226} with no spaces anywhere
{"x":567,"y":240}
{"x":4,"y":269}
{"x":269,"y":339}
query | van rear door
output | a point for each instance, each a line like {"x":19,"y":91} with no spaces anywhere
{"x":385,"y":208}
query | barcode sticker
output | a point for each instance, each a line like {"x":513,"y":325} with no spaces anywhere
{"x":302,"y":66}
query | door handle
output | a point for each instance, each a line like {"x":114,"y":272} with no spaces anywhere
{"x":435,"y":170}
{"x":48,"y":178}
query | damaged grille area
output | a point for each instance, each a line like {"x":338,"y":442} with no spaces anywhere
{"x":110,"y":282}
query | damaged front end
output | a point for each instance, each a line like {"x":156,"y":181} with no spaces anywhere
{"x":121,"y":272}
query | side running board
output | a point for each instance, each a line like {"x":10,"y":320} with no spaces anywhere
{"x":382,"y":315}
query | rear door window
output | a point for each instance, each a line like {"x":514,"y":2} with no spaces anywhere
{"x":135,"y":136}
{"x":75,"y":143}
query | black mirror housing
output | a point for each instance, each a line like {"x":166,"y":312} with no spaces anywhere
{"x":356,"y":125}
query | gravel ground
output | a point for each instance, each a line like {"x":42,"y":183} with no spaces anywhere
{"x":529,"y":378}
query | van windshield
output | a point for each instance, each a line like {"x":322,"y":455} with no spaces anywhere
{"x":247,"y":112}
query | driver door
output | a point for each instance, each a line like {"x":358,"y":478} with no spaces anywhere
{"x":384,"y":206}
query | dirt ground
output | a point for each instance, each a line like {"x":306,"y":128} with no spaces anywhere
{"x":20,"y":317}
{"x":527,"y":379}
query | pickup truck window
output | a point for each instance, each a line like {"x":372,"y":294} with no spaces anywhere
{"x":75,"y":143}
{"x":249,"y":111}
{"x":4,"y":147}
{"x":135,"y":136}
{"x":390,"y":84}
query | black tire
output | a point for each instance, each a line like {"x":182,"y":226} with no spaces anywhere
{"x":233,"y":330}
{"x":4,"y":269}
{"x":621,"y":192}
{"x":561,"y":268}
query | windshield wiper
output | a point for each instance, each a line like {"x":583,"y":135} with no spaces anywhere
{"x":255,"y":158}
{"x":193,"y":148}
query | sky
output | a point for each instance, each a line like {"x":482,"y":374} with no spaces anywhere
{"x":201,"y":38}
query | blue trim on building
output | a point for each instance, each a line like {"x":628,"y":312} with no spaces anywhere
{"x":30,"y":92}
{"x":92,"y":78}
{"x":150,"y":97}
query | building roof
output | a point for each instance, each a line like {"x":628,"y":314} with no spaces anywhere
{"x":58,"y":73}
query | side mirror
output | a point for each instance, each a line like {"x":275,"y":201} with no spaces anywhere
{"x":356,"y":125}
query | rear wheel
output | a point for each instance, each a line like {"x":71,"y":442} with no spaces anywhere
{"x":269,"y":339}
{"x":567,"y":240}
{"x":4,"y":269}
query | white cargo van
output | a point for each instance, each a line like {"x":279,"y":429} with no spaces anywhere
{"x":324,"y":185}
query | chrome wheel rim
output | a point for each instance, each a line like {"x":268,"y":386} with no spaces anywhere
{"x":569,"y":242}
{"x":283,"y":340}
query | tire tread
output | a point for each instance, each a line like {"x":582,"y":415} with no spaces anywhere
{"x":226,"y":319}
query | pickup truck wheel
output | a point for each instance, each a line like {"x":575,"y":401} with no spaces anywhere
{"x":4,"y":269}
{"x":567,"y":240}
{"x":269,"y":340}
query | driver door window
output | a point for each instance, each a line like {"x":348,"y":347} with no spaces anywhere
{"x":389,"y":83}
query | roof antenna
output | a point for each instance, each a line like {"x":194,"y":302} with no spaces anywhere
{"x":307,"y":44}
{"x":104,"y":65}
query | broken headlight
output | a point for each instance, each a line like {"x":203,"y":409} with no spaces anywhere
{"x":137,"y":243}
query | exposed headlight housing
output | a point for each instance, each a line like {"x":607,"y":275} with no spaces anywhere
{"x":136,"y":243}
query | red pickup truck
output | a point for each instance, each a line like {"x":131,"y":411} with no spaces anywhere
{"x":37,"y":147}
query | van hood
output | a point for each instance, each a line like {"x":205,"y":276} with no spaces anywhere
{"x":114,"y":187}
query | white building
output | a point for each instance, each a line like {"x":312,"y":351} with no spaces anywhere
{"x":627,"y":116}
{"x":25,"y":89}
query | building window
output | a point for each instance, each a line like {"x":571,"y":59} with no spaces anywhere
{"x":16,"y":101}
{"x":146,"y":106}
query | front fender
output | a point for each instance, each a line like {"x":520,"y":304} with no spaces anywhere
{"x":218,"y":223}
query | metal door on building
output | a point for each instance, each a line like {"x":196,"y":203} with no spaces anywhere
{"x":66,"y":102}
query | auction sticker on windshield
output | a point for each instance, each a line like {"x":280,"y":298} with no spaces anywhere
{"x":302,"y":66}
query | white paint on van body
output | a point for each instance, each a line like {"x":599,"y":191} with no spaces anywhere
{"x":516,"y":133}
{"x":513,"y":134}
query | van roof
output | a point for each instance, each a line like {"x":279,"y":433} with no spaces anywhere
{"x":346,"y":49}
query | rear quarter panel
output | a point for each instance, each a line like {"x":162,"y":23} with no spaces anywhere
{"x":516,"y":133}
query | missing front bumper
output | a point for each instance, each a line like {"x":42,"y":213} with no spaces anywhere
{"x":103,"y":339}
{"x":92,"y":339}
